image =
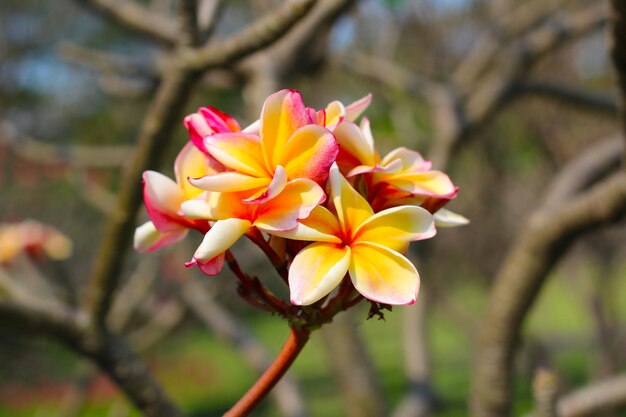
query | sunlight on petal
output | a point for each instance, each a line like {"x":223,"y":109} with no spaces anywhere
{"x":316,"y":271}
{"x":352,"y":140}
{"x":354,"y":110}
{"x":190,"y":163}
{"x":309,"y":153}
{"x":238,"y":151}
{"x":411,"y":160}
{"x":162,"y":198}
{"x":430,"y":183}
{"x":283,"y":113}
{"x":383,"y":275}
{"x":352,"y":208}
{"x":395,"y":227}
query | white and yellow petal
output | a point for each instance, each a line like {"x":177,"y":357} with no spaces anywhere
{"x":228,"y":182}
{"x":395,"y":227}
{"x":351,"y":207}
{"x":148,"y":238}
{"x":447,"y":218}
{"x":316,"y":271}
{"x":353,"y":141}
{"x":383,"y":275}
{"x":220,"y":238}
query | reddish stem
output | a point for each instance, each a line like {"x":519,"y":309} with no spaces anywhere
{"x":287,"y":355}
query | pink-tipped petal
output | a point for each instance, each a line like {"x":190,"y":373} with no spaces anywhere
{"x":352,"y":140}
{"x":148,"y":238}
{"x":198,"y":128}
{"x":354,"y":110}
{"x":395,"y":227}
{"x":211,"y":267}
{"x":238,"y":151}
{"x":383,"y":275}
{"x":296,"y":201}
{"x":316,"y":271}
{"x":309,"y":153}
{"x":162,"y":198}
{"x":283,"y":113}
{"x":228,"y":182}
{"x":222,"y":236}
{"x":276,"y":187}
{"x":219,"y":121}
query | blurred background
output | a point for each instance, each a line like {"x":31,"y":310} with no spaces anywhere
{"x":506,"y":97}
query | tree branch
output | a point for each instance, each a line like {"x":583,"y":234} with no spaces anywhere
{"x":161,"y":117}
{"x":594,"y":399}
{"x":135,"y":18}
{"x":259,"y":34}
{"x":618,"y":53}
{"x":548,"y":234}
{"x":568,"y":94}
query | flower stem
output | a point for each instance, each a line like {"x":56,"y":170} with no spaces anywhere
{"x":290,"y":350}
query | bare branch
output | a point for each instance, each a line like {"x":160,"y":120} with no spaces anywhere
{"x":136,"y":18}
{"x":618,"y":53}
{"x":160,"y":119}
{"x":568,"y":94}
{"x":594,"y":399}
{"x":189,"y":34}
{"x":593,"y":164}
{"x":78,"y":156}
{"x":116,"y":359}
{"x":266,"y":30}
{"x":546,"y":237}
{"x":208,"y":13}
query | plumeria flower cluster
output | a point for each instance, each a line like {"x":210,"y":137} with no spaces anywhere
{"x":309,"y":187}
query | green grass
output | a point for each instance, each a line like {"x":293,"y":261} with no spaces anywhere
{"x":204,"y":374}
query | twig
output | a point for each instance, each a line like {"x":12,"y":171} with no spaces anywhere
{"x":594,"y":398}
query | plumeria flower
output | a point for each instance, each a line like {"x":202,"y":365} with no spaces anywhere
{"x":403,"y":169}
{"x":357,"y":241}
{"x":234,"y":218}
{"x":32,"y":238}
{"x":288,"y":146}
{"x":163,"y":198}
